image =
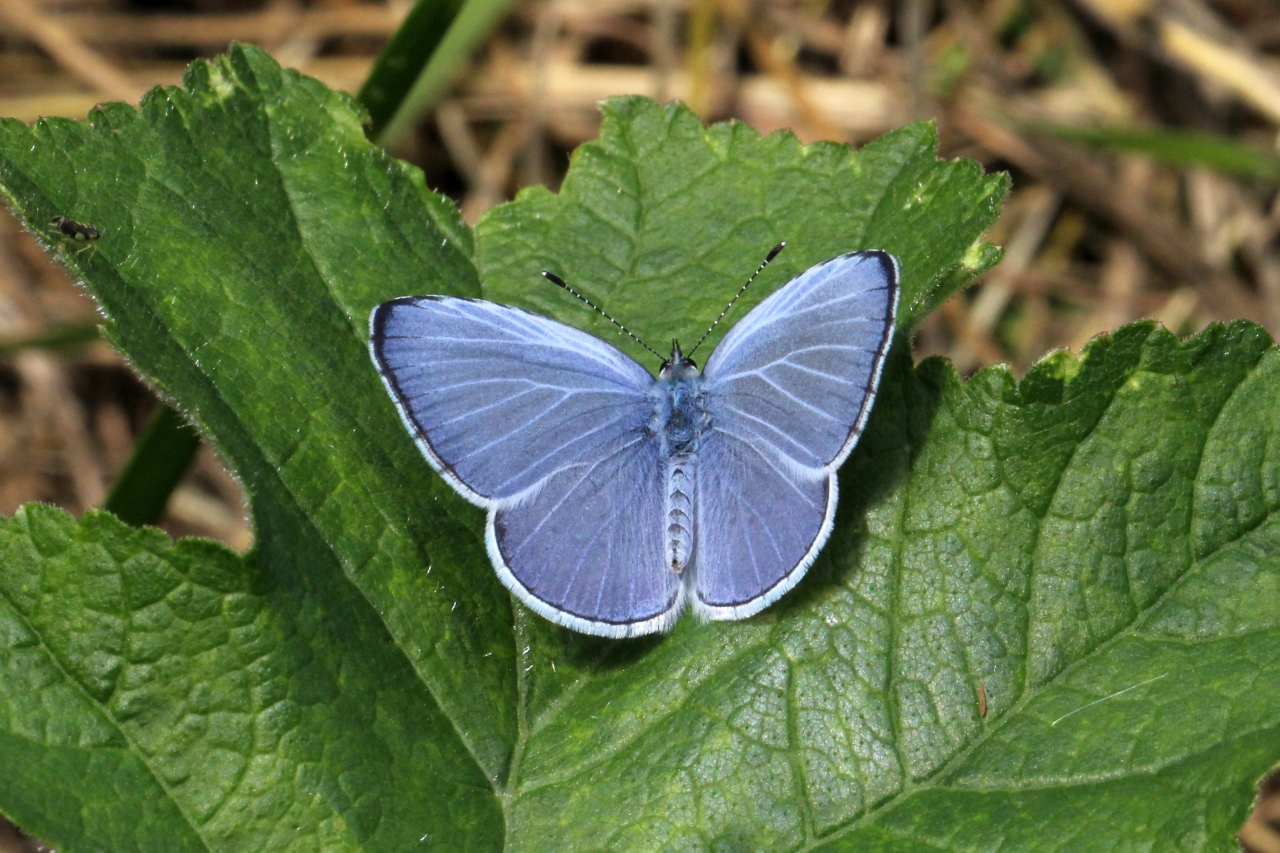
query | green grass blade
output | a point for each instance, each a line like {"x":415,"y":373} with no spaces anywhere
{"x":54,"y":337}
{"x":403,"y":59}
{"x":1179,"y":147}
{"x":473,"y":23}
{"x":160,"y":459}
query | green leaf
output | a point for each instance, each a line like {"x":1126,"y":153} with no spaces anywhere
{"x":1105,"y":529}
{"x":165,"y":451}
{"x":161,"y":696}
{"x":660,"y":221}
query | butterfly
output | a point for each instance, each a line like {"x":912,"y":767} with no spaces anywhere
{"x":616,"y":499}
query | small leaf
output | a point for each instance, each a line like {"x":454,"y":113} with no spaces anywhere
{"x":661,"y":220}
{"x":1096,"y":545}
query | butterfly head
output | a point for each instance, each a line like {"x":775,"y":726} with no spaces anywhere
{"x":678,"y":366}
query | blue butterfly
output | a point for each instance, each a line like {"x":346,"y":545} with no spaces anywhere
{"x":615,"y":499}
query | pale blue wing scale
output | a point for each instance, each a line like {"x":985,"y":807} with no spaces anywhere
{"x":760,"y":525}
{"x":585,"y":549}
{"x":549,"y":429}
{"x":787,"y":393}
{"x":798,"y":374}
{"x":498,"y":398}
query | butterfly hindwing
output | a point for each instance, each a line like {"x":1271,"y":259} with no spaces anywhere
{"x":587,"y":545}
{"x":787,"y":393}
{"x":757,"y":522}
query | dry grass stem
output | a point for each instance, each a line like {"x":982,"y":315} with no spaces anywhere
{"x":273,"y":24}
{"x":1259,"y":837}
{"x":1254,"y":81}
{"x":57,"y":414}
{"x":69,"y":51}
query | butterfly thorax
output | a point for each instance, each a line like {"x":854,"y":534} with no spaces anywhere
{"x":680,"y":418}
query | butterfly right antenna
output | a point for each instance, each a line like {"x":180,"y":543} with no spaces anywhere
{"x":559,"y":282}
{"x":773,"y":253}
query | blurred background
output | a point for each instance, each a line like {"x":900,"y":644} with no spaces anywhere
{"x":1141,"y":136}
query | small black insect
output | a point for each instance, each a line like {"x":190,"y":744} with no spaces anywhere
{"x":78,"y":231}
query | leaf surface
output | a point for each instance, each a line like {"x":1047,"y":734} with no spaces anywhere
{"x":1095,"y":546}
{"x":162,"y":696}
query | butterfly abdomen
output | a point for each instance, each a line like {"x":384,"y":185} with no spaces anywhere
{"x":680,"y":497}
{"x":682,"y":416}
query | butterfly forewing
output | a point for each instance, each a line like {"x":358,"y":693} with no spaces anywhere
{"x":786,"y":393}
{"x":498,"y":398}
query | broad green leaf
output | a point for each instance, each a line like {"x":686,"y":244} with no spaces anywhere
{"x":163,"y":454}
{"x":1104,"y":529}
{"x":660,"y":222}
{"x":161,"y":696}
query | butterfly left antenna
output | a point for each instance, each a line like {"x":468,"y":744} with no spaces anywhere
{"x":773,"y":253}
{"x":559,"y":282}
